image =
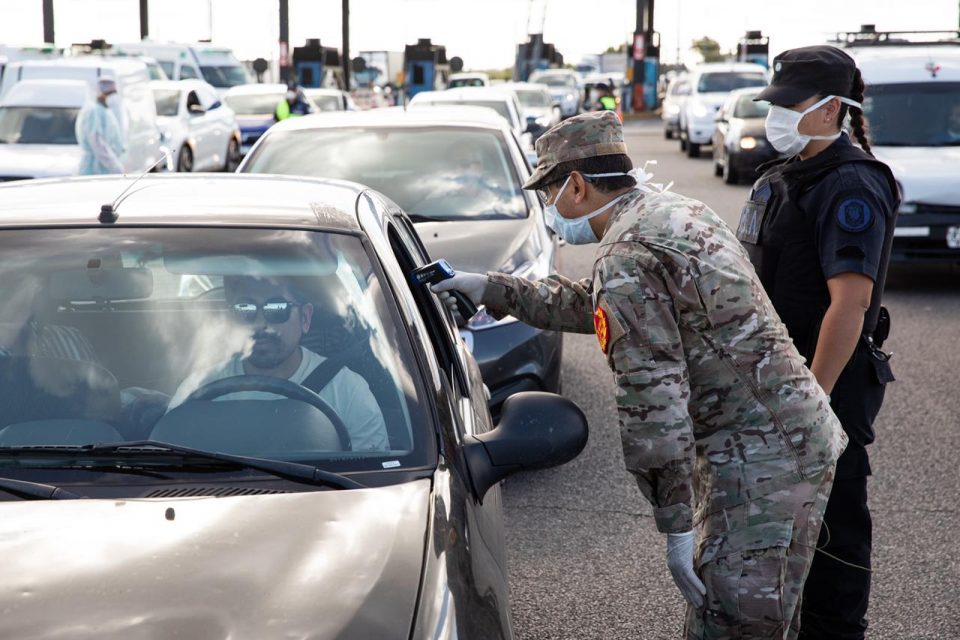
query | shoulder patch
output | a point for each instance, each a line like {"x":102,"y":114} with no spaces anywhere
{"x":854,"y":215}
{"x":607,"y":327}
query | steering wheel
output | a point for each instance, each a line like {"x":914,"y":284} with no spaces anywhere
{"x":279,"y":386}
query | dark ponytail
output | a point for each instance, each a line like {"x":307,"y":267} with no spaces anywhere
{"x":857,"y":122}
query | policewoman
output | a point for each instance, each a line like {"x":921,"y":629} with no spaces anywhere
{"x":818,"y":228}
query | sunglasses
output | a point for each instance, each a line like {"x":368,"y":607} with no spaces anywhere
{"x":275,"y":311}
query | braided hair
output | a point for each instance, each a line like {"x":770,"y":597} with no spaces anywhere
{"x":857,"y":122}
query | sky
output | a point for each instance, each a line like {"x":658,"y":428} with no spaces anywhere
{"x":484,"y":33}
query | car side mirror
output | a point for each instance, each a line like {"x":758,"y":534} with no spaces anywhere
{"x":537,"y":430}
{"x":196,"y":110}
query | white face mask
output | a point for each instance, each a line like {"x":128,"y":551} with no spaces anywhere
{"x":291,"y":96}
{"x":113,"y":100}
{"x":577,"y":230}
{"x":781,"y":127}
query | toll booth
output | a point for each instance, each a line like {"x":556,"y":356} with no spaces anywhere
{"x":317,"y":66}
{"x":868,"y":36}
{"x":754,"y":47}
{"x":533,"y":55}
{"x":646,"y":51}
{"x":425,"y":67}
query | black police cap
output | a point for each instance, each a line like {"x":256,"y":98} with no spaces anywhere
{"x":799,"y":74}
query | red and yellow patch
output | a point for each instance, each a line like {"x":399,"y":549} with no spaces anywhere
{"x":602,"y":328}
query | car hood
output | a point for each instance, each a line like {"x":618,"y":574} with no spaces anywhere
{"x":39,"y":160}
{"x":753,"y":127}
{"x":561,"y":93}
{"x":537,"y":112}
{"x":477,"y":246}
{"x":321,"y":564}
{"x":926,"y":174}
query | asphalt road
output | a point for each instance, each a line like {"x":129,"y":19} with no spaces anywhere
{"x":585,"y":558}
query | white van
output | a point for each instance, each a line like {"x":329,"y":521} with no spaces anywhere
{"x":912,"y":105}
{"x":216,"y":65}
{"x":710,"y":85}
{"x":136,"y":111}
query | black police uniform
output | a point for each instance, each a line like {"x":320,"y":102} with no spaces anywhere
{"x":807,"y":221}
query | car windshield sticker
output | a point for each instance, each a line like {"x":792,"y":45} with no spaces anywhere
{"x":854,"y":215}
{"x":391,"y":464}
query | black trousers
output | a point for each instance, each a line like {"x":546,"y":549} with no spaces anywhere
{"x":836,"y":595}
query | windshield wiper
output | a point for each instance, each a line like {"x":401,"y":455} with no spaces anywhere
{"x":35,"y":490}
{"x":287,"y":470}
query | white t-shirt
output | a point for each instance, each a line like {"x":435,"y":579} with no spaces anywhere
{"x":347,"y":393}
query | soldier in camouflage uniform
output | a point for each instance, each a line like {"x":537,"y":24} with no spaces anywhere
{"x":722,"y":425}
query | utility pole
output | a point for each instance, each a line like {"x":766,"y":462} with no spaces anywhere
{"x":48,"y":21}
{"x":345,"y":55}
{"x":284,"y":41}
{"x":144,"y":20}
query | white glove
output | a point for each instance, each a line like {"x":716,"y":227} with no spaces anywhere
{"x":470,"y":284}
{"x":680,"y":563}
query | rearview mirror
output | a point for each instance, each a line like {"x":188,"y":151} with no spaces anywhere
{"x":537,"y":430}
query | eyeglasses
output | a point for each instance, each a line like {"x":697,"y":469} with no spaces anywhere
{"x":275,"y":311}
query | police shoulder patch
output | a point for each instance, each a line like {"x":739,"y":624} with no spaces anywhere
{"x":854,"y":215}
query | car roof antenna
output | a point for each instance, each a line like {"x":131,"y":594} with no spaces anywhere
{"x":108,"y":212}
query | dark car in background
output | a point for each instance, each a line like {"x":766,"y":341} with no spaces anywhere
{"x":457,"y":172}
{"x":250,"y":508}
{"x":740,"y":142}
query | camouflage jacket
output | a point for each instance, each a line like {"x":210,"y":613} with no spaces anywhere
{"x":715,"y":403}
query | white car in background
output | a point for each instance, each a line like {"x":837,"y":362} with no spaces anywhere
{"x":673,"y":101}
{"x":503,"y":101}
{"x":202,"y":61}
{"x":710,"y":85}
{"x":468,"y":79}
{"x":564,"y":86}
{"x":537,"y":104}
{"x":330,"y":99}
{"x":197,"y":127}
{"x":912,"y":106}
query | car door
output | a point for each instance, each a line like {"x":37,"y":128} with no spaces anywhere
{"x":219,"y":125}
{"x":200,"y":130}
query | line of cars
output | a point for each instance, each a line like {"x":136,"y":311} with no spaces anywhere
{"x":912,"y":107}
{"x":253,"y":482}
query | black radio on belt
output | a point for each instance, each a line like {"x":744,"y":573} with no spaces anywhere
{"x":438,"y":271}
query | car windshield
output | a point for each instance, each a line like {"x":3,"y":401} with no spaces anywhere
{"x":209,"y":339}
{"x":747,"y":108}
{"x":38,"y":125}
{"x":724,"y":81}
{"x":224,"y":76}
{"x":441,"y":173}
{"x":466,"y":82}
{"x":254,"y":104}
{"x":554,"y":80}
{"x":327,"y":102}
{"x":530,"y":98}
{"x":922,"y":114}
{"x":168,"y":101}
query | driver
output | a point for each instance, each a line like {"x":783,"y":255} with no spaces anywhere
{"x":278,"y":317}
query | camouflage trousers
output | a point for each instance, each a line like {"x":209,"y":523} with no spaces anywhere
{"x":753,"y":559}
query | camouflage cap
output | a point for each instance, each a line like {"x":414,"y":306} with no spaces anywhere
{"x":598,"y":133}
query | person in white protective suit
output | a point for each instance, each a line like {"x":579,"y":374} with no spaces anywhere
{"x":98,"y":133}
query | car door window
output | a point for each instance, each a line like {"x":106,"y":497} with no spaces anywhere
{"x":188,"y":73}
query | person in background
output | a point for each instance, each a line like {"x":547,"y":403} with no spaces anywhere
{"x":294,"y":104}
{"x":98,"y":133}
